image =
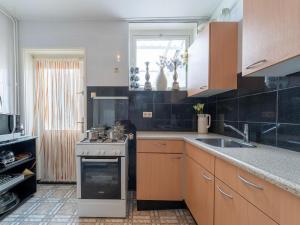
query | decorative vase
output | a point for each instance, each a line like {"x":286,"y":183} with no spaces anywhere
{"x":175,"y":85}
{"x":204,"y":122}
{"x":161,"y":82}
{"x":147,"y":86}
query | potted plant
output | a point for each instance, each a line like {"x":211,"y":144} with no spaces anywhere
{"x":204,"y":120}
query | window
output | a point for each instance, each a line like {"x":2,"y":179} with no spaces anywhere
{"x":148,"y":46}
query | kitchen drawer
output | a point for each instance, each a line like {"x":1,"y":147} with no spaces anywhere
{"x":260,"y":193}
{"x":232,"y":209}
{"x":226,"y":173}
{"x":160,"y":146}
{"x":206,"y":160}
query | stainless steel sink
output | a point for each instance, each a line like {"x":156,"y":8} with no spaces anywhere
{"x":225,"y":143}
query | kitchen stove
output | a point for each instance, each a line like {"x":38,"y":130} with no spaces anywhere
{"x":102,"y":177}
{"x":104,"y":140}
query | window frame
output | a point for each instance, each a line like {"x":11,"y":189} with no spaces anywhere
{"x":135,"y":35}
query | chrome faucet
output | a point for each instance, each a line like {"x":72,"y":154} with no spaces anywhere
{"x":245,"y":134}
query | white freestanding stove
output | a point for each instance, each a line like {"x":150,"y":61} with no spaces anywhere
{"x":102,"y":167}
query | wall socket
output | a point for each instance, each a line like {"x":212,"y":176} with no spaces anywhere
{"x":147,"y":114}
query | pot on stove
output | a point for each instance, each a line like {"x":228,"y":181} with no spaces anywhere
{"x":92,"y":135}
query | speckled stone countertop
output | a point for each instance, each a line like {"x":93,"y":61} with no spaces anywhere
{"x":279,"y":166}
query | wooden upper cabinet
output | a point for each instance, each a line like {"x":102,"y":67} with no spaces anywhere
{"x":271,"y":37}
{"x":212,"y":65}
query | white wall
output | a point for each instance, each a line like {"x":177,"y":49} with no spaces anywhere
{"x":236,"y":7}
{"x":7,"y":64}
{"x":102,"y":41}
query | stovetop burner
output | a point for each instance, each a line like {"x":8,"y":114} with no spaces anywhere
{"x":104,"y":140}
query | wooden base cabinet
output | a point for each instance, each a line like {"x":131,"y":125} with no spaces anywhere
{"x":232,"y":209}
{"x":159,"y":176}
{"x":199,"y":195}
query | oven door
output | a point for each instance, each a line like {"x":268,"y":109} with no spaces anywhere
{"x":101,"y":178}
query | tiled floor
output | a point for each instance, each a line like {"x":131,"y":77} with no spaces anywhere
{"x":56,"y":204}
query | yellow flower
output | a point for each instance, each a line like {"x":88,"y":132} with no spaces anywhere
{"x":199,"y":108}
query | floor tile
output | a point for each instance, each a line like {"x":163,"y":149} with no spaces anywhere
{"x":57,"y":205}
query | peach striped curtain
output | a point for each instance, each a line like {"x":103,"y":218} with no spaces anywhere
{"x":57,"y":110}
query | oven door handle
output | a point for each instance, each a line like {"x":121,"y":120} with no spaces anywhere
{"x":100,"y":160}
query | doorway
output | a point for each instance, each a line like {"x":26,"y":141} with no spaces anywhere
{"x":54,"y":109}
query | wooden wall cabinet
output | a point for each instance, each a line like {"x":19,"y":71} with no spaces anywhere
{"x":271,"y":37}
{"x":212,"y":67}
{"x":199,"y":191}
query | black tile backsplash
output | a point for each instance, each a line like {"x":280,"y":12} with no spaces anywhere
{"x":171,"y":110}
{"x":288,"y":136}
{"x":102,"y":91}
{"x":289,"y":105}
{"x":258,"y":108}
{"x":264,"y":133}
{"x":227,"y":110}
{"x":269,"y":105}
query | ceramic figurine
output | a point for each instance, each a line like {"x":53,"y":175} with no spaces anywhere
{"x":148,"y":86}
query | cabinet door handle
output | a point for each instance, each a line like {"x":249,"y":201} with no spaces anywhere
{"x":255,"y":64}
{"x":176,"y":158}
{"x":206,"y":177}
{"x":161,"y":144}
{"x":203,"y":87}
{"x":250,"y":183}
{"x":224,"y":193}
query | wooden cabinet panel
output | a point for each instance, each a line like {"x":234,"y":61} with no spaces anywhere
{"x":223,"y":55}
{"x":213,"y":60}
{"x":206,"y":160}
{"x":260,"y":193}
{"x":227,"y":173}
{"x":229,"y":209}
{"x":232,"y":209}
{"x":160,"y":146}
{"x":198,"y":69}
{"x":289,"y":209}
{"x":199,"y":192}
{"x":159,"y":176}
{"x":270,"y":33}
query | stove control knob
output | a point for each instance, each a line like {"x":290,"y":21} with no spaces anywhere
{"x":99,"y":152}
{"x":103,"y":153}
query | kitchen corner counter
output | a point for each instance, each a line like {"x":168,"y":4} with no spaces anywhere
{"x":279,"y":166}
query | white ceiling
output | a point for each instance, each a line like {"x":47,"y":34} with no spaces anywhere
{"x":109,"y":9}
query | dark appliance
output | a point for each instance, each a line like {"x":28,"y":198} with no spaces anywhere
{"x":101,"y":177}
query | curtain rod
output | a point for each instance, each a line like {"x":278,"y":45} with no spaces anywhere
{"x":169,"y":20}
{"x":58,"y":56}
